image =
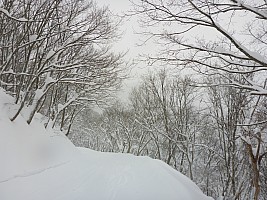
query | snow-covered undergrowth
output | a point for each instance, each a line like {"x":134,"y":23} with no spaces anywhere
{"x":40,"y":164}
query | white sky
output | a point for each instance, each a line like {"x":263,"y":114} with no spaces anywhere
{"x":119,"y":7}
{"x":128,"y":43}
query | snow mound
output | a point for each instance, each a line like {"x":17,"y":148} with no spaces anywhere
{"x":39,"y":164}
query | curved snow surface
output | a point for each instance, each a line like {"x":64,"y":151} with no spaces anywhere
{"x":103,"y":176}
{"x":37,"y":164}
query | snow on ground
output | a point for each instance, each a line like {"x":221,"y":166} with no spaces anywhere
{"x":40,"y":164}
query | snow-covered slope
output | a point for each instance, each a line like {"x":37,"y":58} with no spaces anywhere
{"x":39,"y":164}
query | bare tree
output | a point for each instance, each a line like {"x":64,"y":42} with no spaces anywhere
{"x":227,"y":47}
{"x":161,"y":122}
{"x":234,"y":47}
{"x":226,"y":109}
{"x":56,"y":58}
{"x":165,"y":108}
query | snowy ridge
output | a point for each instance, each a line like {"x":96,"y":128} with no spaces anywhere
{"x":39,"y":164}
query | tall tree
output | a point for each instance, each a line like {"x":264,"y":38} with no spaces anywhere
{"x":207,"y":35}
{"x":56,"y":57}
{"x":233,"y":47}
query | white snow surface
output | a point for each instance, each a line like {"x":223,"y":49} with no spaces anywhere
{"x":40,"y":164}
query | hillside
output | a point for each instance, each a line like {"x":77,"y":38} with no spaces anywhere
{"x":42,"y":164}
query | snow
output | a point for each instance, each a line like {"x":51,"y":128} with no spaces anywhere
{"x":243,"y":49}
{"x":49,"y":80}
{"x":4,"y":11}
{"x":42,"y":164}
{"x":50,"y":54}
{"x":33,"y":38}
{"x":253,"y":9}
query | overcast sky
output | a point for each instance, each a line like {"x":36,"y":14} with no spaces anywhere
{"x":128,"y":43}
{"x":130,"y":39}
{"x":119,"y":7}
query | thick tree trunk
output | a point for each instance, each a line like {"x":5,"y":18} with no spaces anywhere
{"x":255,"y":171}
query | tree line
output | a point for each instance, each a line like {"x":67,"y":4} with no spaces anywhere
{"x":198,"y":131}
{"x":56,"y":57}
{"x":220,"y":140}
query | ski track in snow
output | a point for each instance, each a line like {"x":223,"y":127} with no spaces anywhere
{"x":120,"y":178}
{"x":31,"y":173}
{"x":78,"y":173}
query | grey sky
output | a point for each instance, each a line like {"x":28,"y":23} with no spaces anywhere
{"x":127,"y":43}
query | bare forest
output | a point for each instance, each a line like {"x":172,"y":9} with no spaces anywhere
{"x":204,"y":112}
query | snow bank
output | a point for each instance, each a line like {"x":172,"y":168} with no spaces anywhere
{"x":39,"y":164}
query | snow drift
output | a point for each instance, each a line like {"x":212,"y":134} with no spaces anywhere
{"x":40,"y":164}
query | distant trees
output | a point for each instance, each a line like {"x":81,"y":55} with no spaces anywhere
{"x":206,"y":133}
{"x":212,"y":38}
{"x":161,"y":121}
{"x":55,"y":56}
{"x":218,"y":140}
{"x":164,"y":107}
{"x":55,"y":59}
{"x":226,"y":107}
